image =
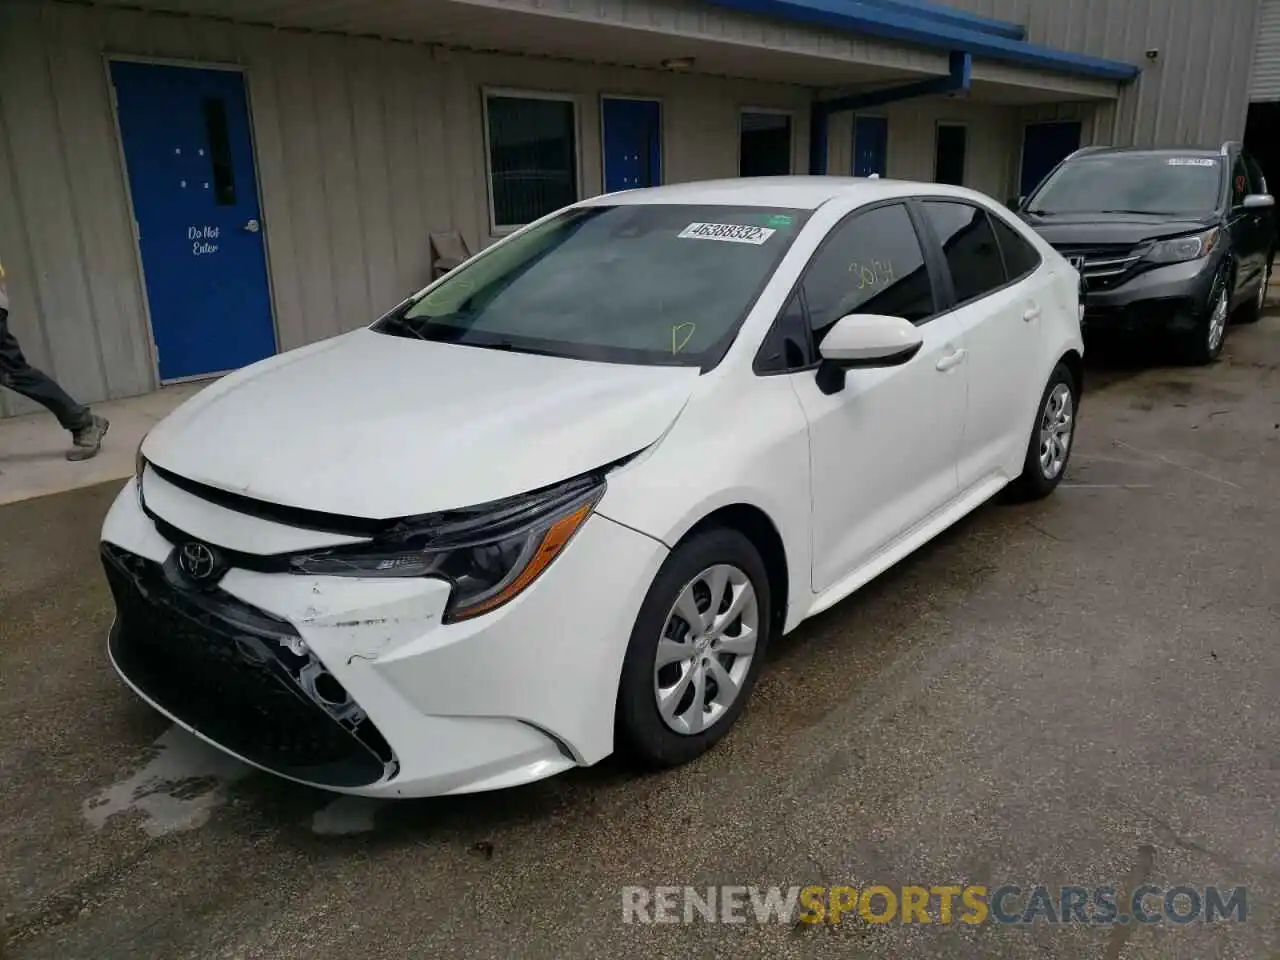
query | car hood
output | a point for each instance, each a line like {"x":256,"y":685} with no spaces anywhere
{"x":1086,"y":229}
{"x":376,"y":426}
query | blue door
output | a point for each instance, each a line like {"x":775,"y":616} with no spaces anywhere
{"x":189,"y":155}
{"x":632,"y":143}
{"x":870,"y":146}
{"x":1044,"y":145}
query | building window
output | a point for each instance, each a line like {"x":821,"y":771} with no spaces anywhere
{"x":764,"y":144}
{"x":949,"y":151}
{"x":533,"y":156}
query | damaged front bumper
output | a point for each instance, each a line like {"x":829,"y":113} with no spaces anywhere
{"x":356,"y":685}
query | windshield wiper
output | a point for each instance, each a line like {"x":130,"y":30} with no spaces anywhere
{"x":1147,"y":213}
{"x":399,"y":322}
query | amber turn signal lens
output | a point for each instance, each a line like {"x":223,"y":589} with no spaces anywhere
{"x":553,"y":541}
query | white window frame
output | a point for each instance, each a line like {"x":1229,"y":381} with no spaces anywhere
{"x":774,"y":111}
{"x":964,"y":175}
{"x":502,"y":229}
{"x":662,"y":134}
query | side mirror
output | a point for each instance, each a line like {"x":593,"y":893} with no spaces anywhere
{"x":1259,"y":201}
{"x":862,"y":340}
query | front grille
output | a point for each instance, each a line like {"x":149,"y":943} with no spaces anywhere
{"x":240,"y":676}
{"x":1105,"y":265}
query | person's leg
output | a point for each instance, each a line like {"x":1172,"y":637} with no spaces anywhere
{"x":19,"y":376}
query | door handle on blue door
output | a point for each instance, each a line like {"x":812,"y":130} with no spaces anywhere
{"x":952,"y":360}
{"x":1032,"y":314}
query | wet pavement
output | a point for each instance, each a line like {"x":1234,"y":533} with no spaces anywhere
{"x":1077,"y":692}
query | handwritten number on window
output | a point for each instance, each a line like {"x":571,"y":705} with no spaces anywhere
{"x":873,"y":274}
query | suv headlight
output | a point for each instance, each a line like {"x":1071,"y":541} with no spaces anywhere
{"x":490,"y":554}
{"x":1182,"y":249}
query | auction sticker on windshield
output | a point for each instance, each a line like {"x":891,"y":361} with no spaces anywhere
{"x":1191,"y":162}
{"x":728,"y":232}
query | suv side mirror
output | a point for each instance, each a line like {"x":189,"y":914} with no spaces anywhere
{"x":1258,"y":201}
{"x":862,"y":340}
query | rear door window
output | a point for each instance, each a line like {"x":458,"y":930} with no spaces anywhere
{"x":1020,"y":257}
{"x":969,"y":245}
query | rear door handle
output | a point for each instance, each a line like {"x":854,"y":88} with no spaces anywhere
{"x":1032,"y":314}
{"x":952,"y":360}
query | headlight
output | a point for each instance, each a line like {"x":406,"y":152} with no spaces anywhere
{"x":1182,"y":249}
{"x":490,"y":554}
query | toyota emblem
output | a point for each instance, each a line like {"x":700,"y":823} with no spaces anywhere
{"x":198,"y":561}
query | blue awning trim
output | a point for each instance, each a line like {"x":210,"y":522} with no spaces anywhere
{"x":953,"y":17}
{"x":867,"y":17}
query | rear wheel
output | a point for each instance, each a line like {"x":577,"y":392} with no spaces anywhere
{"x":1049,"y":447}
{"x":696,"y":649}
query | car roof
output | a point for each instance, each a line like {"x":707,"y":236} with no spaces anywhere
{"x":1151,"y":152}
{"x":801,"y":193}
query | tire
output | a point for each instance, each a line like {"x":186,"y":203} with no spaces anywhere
{"x":1251,"y":312}
{"x":1041,"y":473}
{"x":642,"y":732}
{"x":1201,"y":344}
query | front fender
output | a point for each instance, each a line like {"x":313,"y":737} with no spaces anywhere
{"x":747,"y":446}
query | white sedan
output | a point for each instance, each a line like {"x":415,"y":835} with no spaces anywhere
{"x":561,"y":501}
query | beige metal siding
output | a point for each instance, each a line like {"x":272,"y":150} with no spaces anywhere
{"x":1265,"y":84}
{"x":990,"y":154}
{"x":1195,"y":92}
{"x":364,"y":148}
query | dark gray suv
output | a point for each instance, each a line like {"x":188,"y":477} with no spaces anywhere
{"x":1172,"y":241}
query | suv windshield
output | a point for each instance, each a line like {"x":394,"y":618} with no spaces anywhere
{"x":1131,"y":183}
{"x":646,"y":284}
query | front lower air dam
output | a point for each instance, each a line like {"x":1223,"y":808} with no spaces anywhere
{"x":240,"y":676}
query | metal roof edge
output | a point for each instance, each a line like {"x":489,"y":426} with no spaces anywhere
{"x":871,"y":18}
{"x":957,"y":18}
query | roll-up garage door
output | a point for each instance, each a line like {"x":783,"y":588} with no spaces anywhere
{"x":1266,"y":58}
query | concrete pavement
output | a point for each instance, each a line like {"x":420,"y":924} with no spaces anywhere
{"x":33,"y":447}
{"x":1081,"y":691}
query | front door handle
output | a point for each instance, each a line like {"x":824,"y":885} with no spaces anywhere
{"x":952,"y":360}
{"x":1032,"y":314}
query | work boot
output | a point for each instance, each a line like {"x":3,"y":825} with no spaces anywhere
{"x":88,"y":440}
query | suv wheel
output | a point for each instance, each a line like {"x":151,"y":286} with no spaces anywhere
{"x":1252,"y":311}
{"x":1202,"y":343}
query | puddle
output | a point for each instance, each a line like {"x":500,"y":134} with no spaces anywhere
{"x":346,"y":816}
{"x":180,"y":785}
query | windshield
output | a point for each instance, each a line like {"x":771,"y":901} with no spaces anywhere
{"x":1131,"y":183}
{"x":645,"y":284}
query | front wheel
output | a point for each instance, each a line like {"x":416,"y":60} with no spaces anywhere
{"x":1202,"y":341}
{"x":1049,"y":448}
{"x":1251,"y":312}
{"x":696,"y":649}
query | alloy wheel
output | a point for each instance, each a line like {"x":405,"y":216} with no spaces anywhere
{"x":1056,"y":423}
{"x":1218,"y":320}
{"x":706,"y":648}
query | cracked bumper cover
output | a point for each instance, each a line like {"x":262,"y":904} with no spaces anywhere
{"x":507,"y":698}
